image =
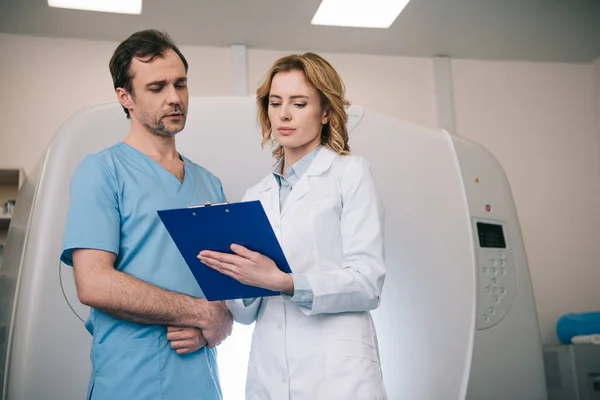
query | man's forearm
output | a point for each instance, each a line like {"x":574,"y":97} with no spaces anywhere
{"x":101,"y":286}
{"x":131,"y":299}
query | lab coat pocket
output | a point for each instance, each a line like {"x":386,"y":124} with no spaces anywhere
{"x":353,"y":349}
{"x":129,"y":369}
{"x":354,"y":371}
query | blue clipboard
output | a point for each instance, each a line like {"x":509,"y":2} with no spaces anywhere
{"x":216,"y":227}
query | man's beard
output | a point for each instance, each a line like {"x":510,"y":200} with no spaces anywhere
{"x":160,"y":129}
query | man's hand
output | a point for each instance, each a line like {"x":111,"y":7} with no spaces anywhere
{"x":185,"y":340}
{"x":217,"y":324}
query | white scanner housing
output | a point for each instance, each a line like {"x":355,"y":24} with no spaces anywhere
{"x":457,"y":319}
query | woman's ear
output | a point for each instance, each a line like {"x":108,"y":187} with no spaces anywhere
{"x":326,"y":116}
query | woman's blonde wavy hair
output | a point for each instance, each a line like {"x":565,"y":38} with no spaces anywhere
{"x":320,"y":74}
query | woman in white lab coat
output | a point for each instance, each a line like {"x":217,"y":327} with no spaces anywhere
{"x":316,"y":341}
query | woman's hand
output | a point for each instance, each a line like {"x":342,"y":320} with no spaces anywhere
{"x":185,"y":340}
{"x":250,"y":268}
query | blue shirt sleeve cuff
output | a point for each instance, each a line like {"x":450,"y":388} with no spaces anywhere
{"x":248,"y":302}
{"x":303,"y":293}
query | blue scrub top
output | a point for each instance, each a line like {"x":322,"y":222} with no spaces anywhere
{"x":114,"y":198}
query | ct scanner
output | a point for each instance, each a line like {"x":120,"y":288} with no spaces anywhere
{"x":457,"y":319}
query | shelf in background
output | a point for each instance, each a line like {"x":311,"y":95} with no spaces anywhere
{"x":10,"y":176}
{"x":4,"y":222}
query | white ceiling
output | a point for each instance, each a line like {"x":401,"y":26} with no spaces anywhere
{"x":535,"y":30}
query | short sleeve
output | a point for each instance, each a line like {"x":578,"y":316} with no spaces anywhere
{"x":223,"y":198}
{"x":93,"y":218}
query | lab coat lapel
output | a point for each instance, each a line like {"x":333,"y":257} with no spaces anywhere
{"x":269,"y":198}
{"x":320,"y":164}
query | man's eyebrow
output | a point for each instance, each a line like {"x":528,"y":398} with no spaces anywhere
{"x":157,"y":83}
{"x":163,"y":82}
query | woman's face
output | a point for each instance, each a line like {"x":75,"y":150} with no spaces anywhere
{"x":295,"y":113}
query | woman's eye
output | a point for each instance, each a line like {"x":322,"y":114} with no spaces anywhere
{"x":274,"y":104}
{"x":300,"y":105}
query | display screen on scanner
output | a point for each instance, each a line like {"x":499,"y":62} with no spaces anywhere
{"x":491,"y":235}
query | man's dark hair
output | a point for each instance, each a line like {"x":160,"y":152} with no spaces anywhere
{"x":147,"y":44}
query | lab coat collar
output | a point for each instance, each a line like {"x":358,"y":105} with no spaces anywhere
{"x":319,"y":166}
{"x":322,"y":162}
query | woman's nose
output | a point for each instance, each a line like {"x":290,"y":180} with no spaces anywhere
{"x":284,"y":114}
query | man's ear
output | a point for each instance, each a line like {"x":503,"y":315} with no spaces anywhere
{"x":125,"y":98}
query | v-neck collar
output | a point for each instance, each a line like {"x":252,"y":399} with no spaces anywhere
{"x":168,"y":179}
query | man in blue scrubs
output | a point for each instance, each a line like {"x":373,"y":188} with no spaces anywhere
{"x":154,"y":335}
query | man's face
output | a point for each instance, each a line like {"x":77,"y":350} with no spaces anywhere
{"x":160,"y":94}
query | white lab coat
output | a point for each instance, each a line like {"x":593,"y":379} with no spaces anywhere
{"x":331,"y":230}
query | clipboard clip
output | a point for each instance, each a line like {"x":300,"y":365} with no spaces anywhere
{"x":208,"y":204}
